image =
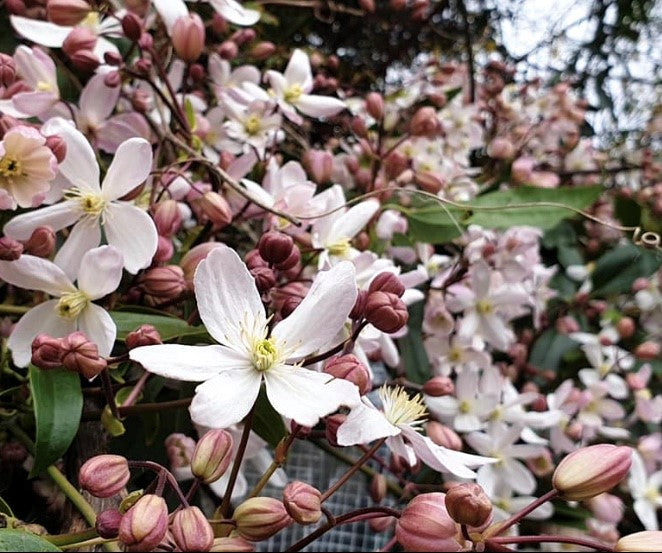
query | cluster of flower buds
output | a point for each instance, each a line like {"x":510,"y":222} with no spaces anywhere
{"x":381,"y":305}
{"x":276,"y":253}
{"x":425,"y":525}
{"x":74,"y":352}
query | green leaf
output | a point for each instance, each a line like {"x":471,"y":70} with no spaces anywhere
{"x":549,"y":349}
{"x":617,"y":269}
{"x":267,"y":423}
{"x":414,"y":357}
{"x":435,"y":225}
{"x":5,"y":509}
{"x":18,"y":540}
{"x":541,"y":216}
{"x":58,"y":404}
{"x":169,"y":327}
{"x":627,"y":211}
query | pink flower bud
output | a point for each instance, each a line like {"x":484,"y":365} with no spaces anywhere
{"x":522,"y":169}
{"x":647,"y":351}
{"x":68,"y":13}
{"x":374,"y":105}
{"x":378,"y":487}
{"x":58,"y":146}
{"x":430,"y":182}
{"x":302,"y":502}
{"x":165,"y":249}
{"x":500,"y":148}
{"x":41,"y":242}
{"x":439,"y":386}
{"x":358,"y":311}
{"x":443,"y":435}
{"x":541,"y":465}
{"x":144,"y":335}
{"x":626,"y":327}
{"x":108,"y":523}
{"x":189,"y":263}
{"x":104,"y":475}
{"x":359,"y":128}
{"x":10,"y":249}
{"x":650,"y":540}
{"x":591,"y":471}
{"x":386,"y":312}
{"x":333,"y":422}
{"x":80,"y":38}
{"x":143,"y":66}
{"x":395,"y":164}
{"x":259,"y":518}
{"x":318,"y":165}
{"x":7,"y":70}
{"x":264,"y":277}
{"x":197,"y":73}
{"x":85,"y":60}
{"x":228,"y":50}
{"x":47,"y":352}
{"x":567,"y":325}
{"x":468,"y":504}
{"x":348,"y":367}
{"x":82,"y":356}
{"x":167,"y":217}
{"x":188,"y":37}
{"x":425,"y":525}
{"x":132,"y":26}
{"x":145,"y":524}
{"x":216,"y":209}
{"x":262,"y":50}
{"x":212,"y":455}
{"x":425,"y":123}
{"x":15,"y":7}
{"x":367,"y":6}
{"x":235,"y":544}
{"x":275,"y":247}
{"x":163,"y":283}
{"x":606,"y":507}
{"x":191,"y":530}
{"x":292,"y":260}
{"x":146,"y":42}
{"x":114,"y":59}
{"x":640,"y":284}
{"x":387,"y":282}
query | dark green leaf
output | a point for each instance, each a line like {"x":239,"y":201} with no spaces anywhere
{"x":435,"y":225}
{"x":627,"y":211}
{"x":267,"y":423}
{"x":549,"y":349}
{"x":168,"y":327}
{"x":58,"y":404}
{"x":18,"y":540}
{"x":617,"y":269}
{"x":412,"y":351}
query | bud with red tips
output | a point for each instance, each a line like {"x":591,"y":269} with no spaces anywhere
{"x":425,"y":525}
{"x":262,"y":50}
{"x":647,"y":351}
{"x":191,"y":530}
{"x":259,"y":518}
{"x":85,"y":60}
{"x":107,"y":524}
{"x":275,"y":247}
{"x":333,"y":422}
{"x":46,"y":352}
{"x":264,"y":277}
{"x":302,"y":502}
{"x":387,"y":282}
{"x":386,"y":312}
{"x":197,"y":73}
{"x":144,"y":335}
{"x":82,"y":356}
{"x":228,"y":50}
{"x":468,"y":504}
{"x":104,"y":475}
{"x":79,"y":38}
{"x":67,"y":13}
{"x":10,"y":249}
{"x":348,"y":367}
{"x":145,"y":524}
{"x":212,"y":455}
{"x":367,"y":6}
{"x":167,"y":217}
{"x":374,"y":105}
{"x":7,"y":70}
{"x":114,"y":59}
{"x":192,"y":258}
{"x":41,"y":242}
{"x":58,"y":146}
{"x":132,"y":26}
{"x":165,"y":249}
{"x":292,"y":260}
{"x":319,"y":165}
{"x":188,"y":37}
{"x":425,"y":123}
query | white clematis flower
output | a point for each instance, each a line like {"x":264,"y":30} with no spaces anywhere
{"x":90,"y":206}
{"x":232,"y":373}
{"x":233,"y":11}
{"x":100,"y":274}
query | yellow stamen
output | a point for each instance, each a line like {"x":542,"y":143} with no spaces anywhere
{"x":72,"y":304}
{"x":399,"y":408}
{"x":484,"y":307}
{"x":341,"y":248}
{"x":43,"y":86}
{"x":10,"y":167}
{"x":91,"y":21}
{"x":265,"y":354}
{"x":90,"y":202}
{"x":252,"y":125}
{"x":293,"y":93}
{"x":464,"y":407}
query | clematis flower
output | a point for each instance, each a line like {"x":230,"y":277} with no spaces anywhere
{"x":27,"y":166}
{"x":400,"y":423}
{"x":91,"y":207}
{"x":100,"y":274}
{"x":232,"y":373}
{"x":233,"y":11}
{"x":645,"y":490}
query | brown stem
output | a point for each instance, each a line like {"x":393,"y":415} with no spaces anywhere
{"x":107,"y":387}
{"x":500,"y":528}
{"x":227,"y":497}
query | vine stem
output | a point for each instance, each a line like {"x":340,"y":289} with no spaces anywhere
{"x":164,"y":475}
{"x":501,"y":527}
{"x":278,"y":461}
{"x":227,"y":497}
{"x":598,"y":546}
{"x":13,"y":309}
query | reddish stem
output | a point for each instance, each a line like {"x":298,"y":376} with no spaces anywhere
{"x":598,"y":546}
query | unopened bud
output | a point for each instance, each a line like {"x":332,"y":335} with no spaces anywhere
{"x":626,"y":327}
{"x":41,"y":242}
{"x":647,"y":351}
{"x":439,"y":386}
{"x":79,"y":38}
{"x":212,"y":455}
{"x":81,"y":355}
{"x":235,"y":544}
{"x":387,"y":282}
{"x":163,"y":283}
{"x":378,"y":487}
{"x":468,"y":504}
{"x":10,"y":249}
{"x":395,"y":163}
{"x":189,"y":263}
{"x":85,"y":60}
{"x":141,"y":101}
{"x":430,"y":182}
{"x":167,"y":217}
{"x":348,"y":367}
{"x":386,"y":312}
{"x":216,"y":209}
{"x":132,"y":26}
{"x":145,"y":524}
{"x":359,"y":128}
{"x":443,"y":435}
{"x":67,"y":13}
{"x":264,"y":277}
{"x":259,"y":518}
{"x":358,"y":310}
{"x":197,"y":73}
{"x":275,"y":247}
{"x":191,"y":530}
{"x":292,"y":260}
{"x":7,"y":70}
{"x":58,"y":146}
{"x":302,"y":502}
{"x":591,"y":471}
{"x":650,"y":540}
{"x":144,"y":335}
{"x":228,"y":50}
{"x":104,"y":475}
{"x":500,"y":148}
{"x":425,"y":123}
{"x":262,"y":50}
{"x":333,"y":422}
{"x":374,"y":105}
{"x":15,"y":7}
{"x":319,"y":165}
{"x":46,"y":352}
{"x":425,"y":525}
{"x":115,"y":59}
{"x":107,"y":524}
{"x":188,"y":37}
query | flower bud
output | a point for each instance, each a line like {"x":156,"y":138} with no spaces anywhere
{"x":425,"y":123}
{"x":500,"y":148}
{"x":197,"y":73}
{"x":108,"y":523}
{"x":234,"y":544}
{"x":333,"y":422}
{"x":80,"y":38}
{"x":228,"y":50}
{"x":10,"y":249}
{"x":167,"y":217}
{"x":262,"y":50}
{"x":85,"y":60}
{"x":144,"y":335}
{"x":15,"y":7}
{"x":467,"y":504}
{"x":216,"y":209}
{"x":163,"y":283}
{"x":591,"y":471}
{"x":191,"y":530}
{"x":289,"y":305}
{"x":58,"y":146}
{"x":67,"y":13}
{"x":647,"y":351}
{"x":132,"y":26}
{"x":348,"y":367}
{"x":626,"y":327}
{"x":302,"y":502}
{"x":7,"y":70}
{"x":430,"y":182}
{"x":358,"y":310}
{"x":104,"y":475}
{"x":374,"y":105}
{"x":395,"y":163}
{"x":82,"y":356}
{"x":259,"y":518}
{"x":264,"y":277}
{"x":275,"y":247}
{"x":522,"y":169}
{"x":443,"y":435}
{"x":319,"y":165}
{"x":387,"y":282}
{"x":189,"y":263}
{"x":47,"y":352}
{"x":386,"y":312}
{"x":439,"y":386}
{"x":650,"y":540}
{"x":426,"y":526}
{"x":145,"y":524}
{"x":606,"y":508}
{"x":41,"y":242}
{"x":212,"y":455}
{"x":378,"y":487}
{"x":188,"y":37}
{"x":114,"y":59}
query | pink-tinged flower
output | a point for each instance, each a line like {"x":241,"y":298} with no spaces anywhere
{"x":400,"y":422}
{"x":252,"y":124}
{"x":453,"y":354}
{"x":606,"y":360}
{"x":646,"y":491}
{"x":100,"y":274}
{"x":90,"y":207}
{"x":223,"y":77}
{"x":232,"y":373}
{"x":27,"y":165}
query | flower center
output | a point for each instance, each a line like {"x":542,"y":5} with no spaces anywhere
{"x":464,"y":407}
{"x":91,"y":203}
{"x":265,"y":354}
{"x":91,"y":21}
{"x":293,"y":93}
{"x":399,"y":408}
{"x":72,"y":304}
{"x":604,"y":369}
{"x":652,"y":494}
{"x":43,"y":86}
{"x":484,"y":307}
{"x":252,"y":125}
{"x":10,"y":167}
{"x":455,"y":354}
{"x":340,"y":248}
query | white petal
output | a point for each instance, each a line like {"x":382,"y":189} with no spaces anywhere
{"x":330,"y":299}
{"x":298,"y":70}
{"x":40,"y":319}
{"x":305,"y":395}
{"x":100,"y":272}
{"x":85,"y":235}
{"x":130,"y":167}
{"x":319,"y":106}
{"x":235,"y":13}
{"x":99,"y":327}
{"x":353,"y":221}
{"x":56,"y":216}
{"x":188,"y":363}
{"x":133,"y":233}
{"x":170,"y":11}
{"x":36,"y":273}
{"x":42,"y":32}
{"x":440,"y":458}
{"x":647,"y":514}
{"x":363,"y":425}
{"x":97,"y":100}
{"x":519,"y":477}
{"x":225,"y":399}
{"x":226,"y":295}
{"x":104,"y":46}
